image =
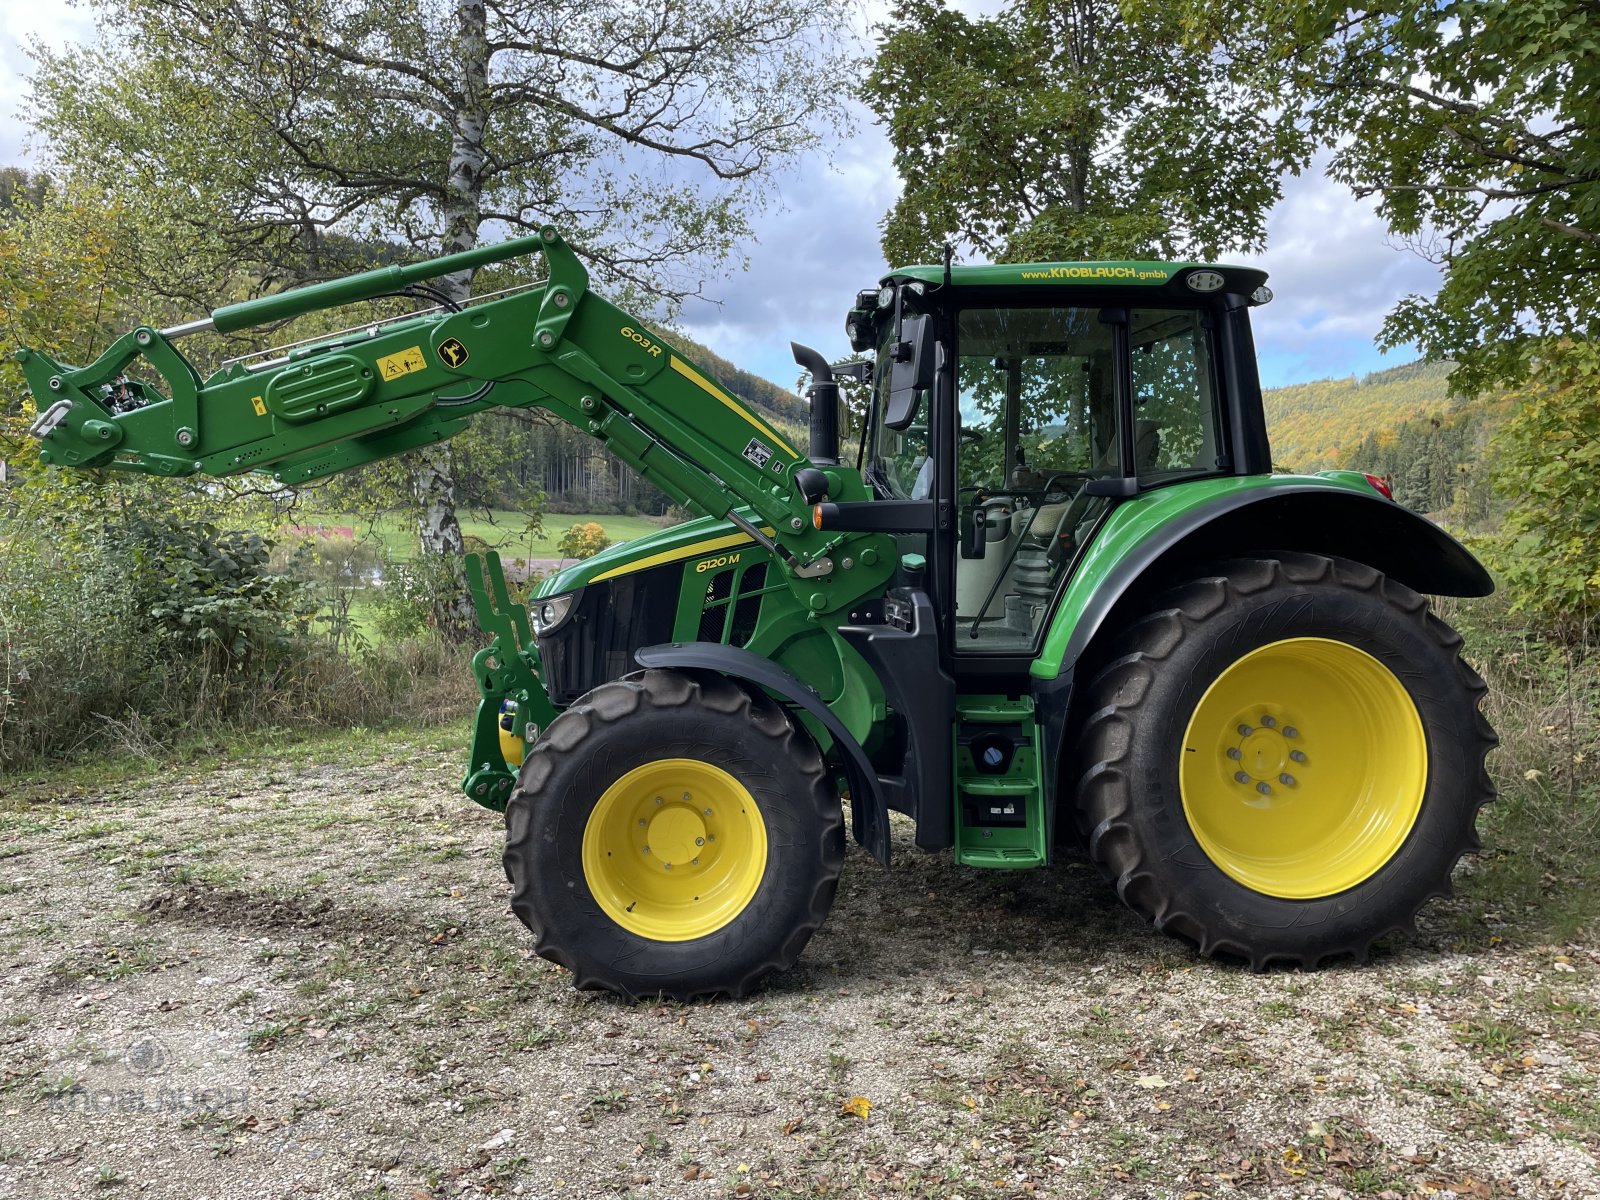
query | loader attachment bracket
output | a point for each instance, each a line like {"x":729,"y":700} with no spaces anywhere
{"x":507,"y":670}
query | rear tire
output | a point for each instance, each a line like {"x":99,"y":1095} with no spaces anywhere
{"x":673,"y":834}
{"x":1284,"y":760}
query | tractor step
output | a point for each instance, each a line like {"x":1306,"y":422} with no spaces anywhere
{"x":998,"y":785}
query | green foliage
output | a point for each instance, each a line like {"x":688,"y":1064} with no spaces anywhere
{"x":1065,"y":131}
{"x":1548,"y":467}
{"x":1544,"y":701}
{"x":1437,"y":465}
{"x":407,"y":602}
{"x":1476,"y":124}
{"x":211,"y":591}
{"x":134,"y":611}
{"x":583,"y":540}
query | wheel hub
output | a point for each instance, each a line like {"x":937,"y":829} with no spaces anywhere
{"x":1267,"y":756}
{"x":676,"y":835}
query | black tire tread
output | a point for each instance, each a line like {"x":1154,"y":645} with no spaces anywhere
{"x":1105,"y":795}
{"x":611,"y":702}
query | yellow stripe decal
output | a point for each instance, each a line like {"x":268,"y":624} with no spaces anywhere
{"x":711,"y":389}
{"x":666,"y":556}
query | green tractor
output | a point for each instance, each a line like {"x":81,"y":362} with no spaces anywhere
{"x":1055,"y":590}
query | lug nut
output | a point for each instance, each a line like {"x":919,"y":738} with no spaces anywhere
{"x":1286,"y":779}
{"x":1241,"y":777}
{"x":1264,"y":788}
{"x":643,"y":823}
{"x":1299,"y":756}
{"x":694,"y":862}
{"x":646,"y":849}
{"x":1290,"y":731}
{"x":1245,"y":731}
{"x":699,"y":841}
{"x":1234,"y":753}
{"x":686,"y":796}
{"x":659,"y":800}
{"x":668,"y":866}
{"x":1270,"y":721}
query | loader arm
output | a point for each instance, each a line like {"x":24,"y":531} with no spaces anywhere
{"x":401,"y":384}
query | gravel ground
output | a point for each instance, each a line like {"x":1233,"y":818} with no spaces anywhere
{"x":297,"y":975}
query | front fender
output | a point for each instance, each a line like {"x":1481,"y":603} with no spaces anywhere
{"x":1161,"y":535}
{"x":869,"y":813}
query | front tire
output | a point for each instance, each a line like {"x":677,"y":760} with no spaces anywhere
{"x":673,"y":834}
{"x":1284,"y":760}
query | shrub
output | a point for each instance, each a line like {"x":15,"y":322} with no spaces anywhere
{"x":1549,"y":458}
{"x":583,"y":540}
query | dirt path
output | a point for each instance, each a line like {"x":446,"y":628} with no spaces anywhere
{"x":299,"y":976}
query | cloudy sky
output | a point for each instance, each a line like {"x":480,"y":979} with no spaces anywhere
{"x":1334,"y":272}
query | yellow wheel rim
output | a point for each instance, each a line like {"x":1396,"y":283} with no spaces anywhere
{"x":1303,"y":768}
{"x":675,"y":849}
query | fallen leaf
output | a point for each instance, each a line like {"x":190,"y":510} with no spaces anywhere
{"x":1151,"y":1081}
{"x":856,"y":1106}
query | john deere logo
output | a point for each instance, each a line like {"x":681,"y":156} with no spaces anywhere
{"x":453,"y":352}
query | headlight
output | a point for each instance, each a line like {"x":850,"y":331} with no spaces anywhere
{"x":549,"y":611}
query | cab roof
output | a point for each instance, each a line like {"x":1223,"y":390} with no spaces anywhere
{"x":1168,"y":276}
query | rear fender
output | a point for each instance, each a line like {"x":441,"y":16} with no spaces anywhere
{"x":1308,"y":516}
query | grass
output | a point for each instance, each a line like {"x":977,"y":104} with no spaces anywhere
{"x":1538,"y":876}
{"x":503,"y":530}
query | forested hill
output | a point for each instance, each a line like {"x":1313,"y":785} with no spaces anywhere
{"x":767,"y":398}
{"x":1316,"y":426}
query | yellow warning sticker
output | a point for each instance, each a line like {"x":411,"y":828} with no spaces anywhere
{"x":259,"y":405}
{"x":392,"y":366}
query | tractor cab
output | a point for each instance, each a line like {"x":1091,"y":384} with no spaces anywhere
{"x":1024,"y":402}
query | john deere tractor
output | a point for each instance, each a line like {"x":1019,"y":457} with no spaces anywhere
{"x":1054,"y":591}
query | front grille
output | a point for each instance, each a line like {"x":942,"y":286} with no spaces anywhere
{"x":612,"y":619}
{"x":609,"y":621}
{"x":747,"y":610}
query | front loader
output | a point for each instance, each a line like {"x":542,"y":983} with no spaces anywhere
{"x":1055,"y":591}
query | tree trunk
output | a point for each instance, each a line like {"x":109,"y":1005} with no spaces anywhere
{"x":439,"y":531}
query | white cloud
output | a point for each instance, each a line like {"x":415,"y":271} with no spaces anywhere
{"x":813,"y":252}
{"x":1335,"y":273}
{"x":54,"y":23}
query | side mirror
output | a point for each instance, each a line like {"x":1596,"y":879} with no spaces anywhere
{"x":911,"y":372}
